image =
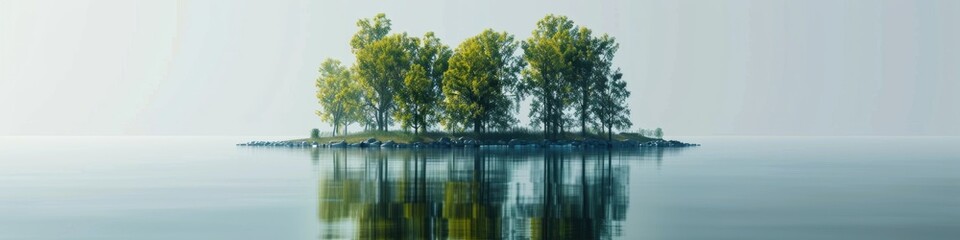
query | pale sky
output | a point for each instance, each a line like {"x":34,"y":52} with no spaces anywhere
{"x":765,"y":67}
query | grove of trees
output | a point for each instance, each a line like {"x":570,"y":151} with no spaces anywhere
{"x":420,"y":83}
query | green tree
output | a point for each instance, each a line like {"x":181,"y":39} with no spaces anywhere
{"x":338,"y":95}
{"x":374,"y":114}
{"x":382,"y":66}
{"x":416,"y":101}
{"x":549,"y":71}
{"x":480,"y":84}
{"x":566,"y":63}
{"x":658,"y":133}
{"x":433,"y":56}
{"x":371,"y":30}
{"x":611,"y":108}
{"x":591,"y":64}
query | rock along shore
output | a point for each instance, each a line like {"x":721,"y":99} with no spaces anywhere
{"x":464,"y":142}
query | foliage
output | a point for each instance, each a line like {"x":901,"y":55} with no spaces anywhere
{"x":547,"y":54}
{"x":591,"y":65}
{"x":433,"y":56}
{"x":565,"y":68}
{"x":656,"y":133}
{"x":315,"y":133}
{"x":417,"y":100}
{"x":566,"y":63}
{"x":611,"y":108}
{"x":477,"y":86}
{"x":338,"y":94}
{"x":381,"y":67}
{"x":371,"y":30}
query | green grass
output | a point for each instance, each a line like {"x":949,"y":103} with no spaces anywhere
{"x":408,"y":137}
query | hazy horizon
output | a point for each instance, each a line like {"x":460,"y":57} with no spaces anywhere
{"x":695,"y":68}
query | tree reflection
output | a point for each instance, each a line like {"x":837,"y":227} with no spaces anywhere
{"x":473,"y":194}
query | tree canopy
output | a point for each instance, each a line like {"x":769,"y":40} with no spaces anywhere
{"x":478,"y":84}
{"x":416,"y":103}
{"x":548,"y":76}
{"x":382,"y":66}
{"x":338,"y":94}
{"x":611,"y":108}
{"x":566,"y":62}
{"x":370,"y":30}
{"x":567,"y":71}
{"x":433,"y":56}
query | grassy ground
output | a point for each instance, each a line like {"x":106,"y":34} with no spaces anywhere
{"x":408,"y":137}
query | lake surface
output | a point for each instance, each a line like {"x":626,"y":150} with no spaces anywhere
{"x":729,"y":188}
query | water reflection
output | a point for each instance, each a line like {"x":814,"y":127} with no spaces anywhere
{"x":474,"y":194}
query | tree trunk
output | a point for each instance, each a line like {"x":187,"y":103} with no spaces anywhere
{"x":583,"y":115}
{"x":583,"y":127}
{"x":476,"y":126}
{"x":383,"y":121}
{"x":609,"y":135}
{"x":544,"y":121}
{"x":558,"y":118}
{"x":563,"y":126}
{"x":336,"y":127}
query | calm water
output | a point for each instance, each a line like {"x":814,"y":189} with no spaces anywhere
{"x":729,"y":188}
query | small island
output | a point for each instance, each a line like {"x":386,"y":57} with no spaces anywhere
{"x":469,"y":96}
{"x":387,"y":140}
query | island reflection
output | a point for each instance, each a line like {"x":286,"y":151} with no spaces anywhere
{"x":474,"y":193}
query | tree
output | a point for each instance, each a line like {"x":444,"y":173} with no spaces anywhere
{"x":382,"y":66}
{"x":611,"y":108}
{"x":658,"y":133}
{"x":548,"y":75}
{"x":366,"y":116}
{"x":377,"y":101}
{"x":338,"y":95}
{"x":371,"y":30}
{"x":591,"y":64}
{"x":433,"y":56}
{"x":582,"y":67}
{"x":417,"y":101}
{"x":480,"y":84}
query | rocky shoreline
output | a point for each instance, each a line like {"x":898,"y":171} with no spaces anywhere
{"x":464,"y":142}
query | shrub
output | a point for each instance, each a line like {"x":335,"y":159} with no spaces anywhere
{"x":315,"y":133}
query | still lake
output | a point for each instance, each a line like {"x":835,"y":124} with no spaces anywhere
{"x":729,"y":188}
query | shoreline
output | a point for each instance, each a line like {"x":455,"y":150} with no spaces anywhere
{"x":466,"y":142}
